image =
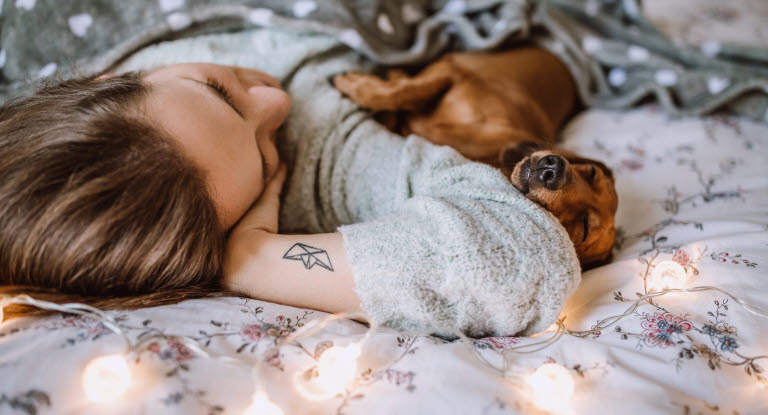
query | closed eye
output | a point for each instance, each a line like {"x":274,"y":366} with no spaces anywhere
{"x":585,"y":222}
{"x":592,"y":174}
{"x":224,"y":93}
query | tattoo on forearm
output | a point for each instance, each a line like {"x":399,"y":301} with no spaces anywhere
{"x":309,"y":255}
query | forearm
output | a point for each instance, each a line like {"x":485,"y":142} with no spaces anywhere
{"x":307,"y":271}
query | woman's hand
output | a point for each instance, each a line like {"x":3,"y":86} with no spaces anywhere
{"x":265,"y":211}
{"x":258,"y":223}
{"x":255,"y":261}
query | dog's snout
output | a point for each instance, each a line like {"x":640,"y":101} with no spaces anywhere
{"x":551,"y":171}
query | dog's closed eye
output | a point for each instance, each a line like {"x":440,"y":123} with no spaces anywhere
{"x":585,"y":222}
{"x":592,"y":174}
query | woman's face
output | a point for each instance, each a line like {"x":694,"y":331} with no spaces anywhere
{"x":225,"y":119}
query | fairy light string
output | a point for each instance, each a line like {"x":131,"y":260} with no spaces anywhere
{"x":80,"y":309}
{"x":261,"y":403}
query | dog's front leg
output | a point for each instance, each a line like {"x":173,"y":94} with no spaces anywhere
{"x":399,"y":92}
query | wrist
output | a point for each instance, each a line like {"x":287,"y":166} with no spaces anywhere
{"x":242,"y":247}
{"x":275,"y":267}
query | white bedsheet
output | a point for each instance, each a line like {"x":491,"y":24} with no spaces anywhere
{"x":692,"y":190}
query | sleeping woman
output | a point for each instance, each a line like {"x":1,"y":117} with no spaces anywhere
{"x":149,"y":188}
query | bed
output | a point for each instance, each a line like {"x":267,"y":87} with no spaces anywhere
{"x":693,"y":196}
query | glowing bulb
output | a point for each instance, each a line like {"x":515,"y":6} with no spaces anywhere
{"x":261,"y":405}
{"x":106,"y":378}
{"x":552,"y":387}
{"x":336,"y":369}
{"x":667,"y":274}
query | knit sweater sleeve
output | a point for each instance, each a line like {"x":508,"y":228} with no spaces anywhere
{"x":442,"y":243}
{"x":435,"y":242}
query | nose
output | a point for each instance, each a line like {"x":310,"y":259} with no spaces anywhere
{"x":269,"y":105}
{"x":550,"y":171}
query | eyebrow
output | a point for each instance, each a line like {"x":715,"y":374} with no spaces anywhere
{"x":210,"y":88}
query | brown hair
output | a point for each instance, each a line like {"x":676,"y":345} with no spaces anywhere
{"x":99,"y":206}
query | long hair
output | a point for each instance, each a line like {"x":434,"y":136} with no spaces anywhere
{"x":99,"y":206}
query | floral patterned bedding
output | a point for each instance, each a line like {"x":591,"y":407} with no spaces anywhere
{"x":693,"y":191}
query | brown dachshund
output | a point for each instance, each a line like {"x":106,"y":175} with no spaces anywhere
{"x":500,"y":109}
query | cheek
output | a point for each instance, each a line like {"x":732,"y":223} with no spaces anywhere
{"x":233,"y":197}
{"x":608,"y":197}
{"x":235,"y":184}
{"x":575,"y":231}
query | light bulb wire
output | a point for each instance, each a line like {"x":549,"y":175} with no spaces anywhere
{"x":609,"y":321}
{"x":314,"y":326}
{"x":83,"y":310}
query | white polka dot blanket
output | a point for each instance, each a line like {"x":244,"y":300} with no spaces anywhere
{"x":618,"y":56}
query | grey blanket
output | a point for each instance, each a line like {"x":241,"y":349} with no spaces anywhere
{"x":615,"y":55}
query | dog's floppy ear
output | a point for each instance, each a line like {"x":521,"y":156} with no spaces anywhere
{"x":574,"y":158}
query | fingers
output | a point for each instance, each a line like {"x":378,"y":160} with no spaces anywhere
{"x":265,"y":211}
{"x":275,"y":183}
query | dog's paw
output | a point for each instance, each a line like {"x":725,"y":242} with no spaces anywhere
{"x":368,"y":91}
{"x":396,"y":73}
{"x":353,"y":83}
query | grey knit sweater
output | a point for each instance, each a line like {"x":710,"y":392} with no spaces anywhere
{"x":435,"y":242}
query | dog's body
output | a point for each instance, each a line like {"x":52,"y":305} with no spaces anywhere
{"x":476,"y":103}
{"x":497,"y":108}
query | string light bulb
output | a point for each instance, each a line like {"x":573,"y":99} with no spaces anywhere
{"x":336,"y":369}
{"x":261,"y":405}
{"x":552,"y":387}
{"x":106,"y":378}
{"x":667,"y":274}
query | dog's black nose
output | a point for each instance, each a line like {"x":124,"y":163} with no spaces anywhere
{"x":550,"y":171}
